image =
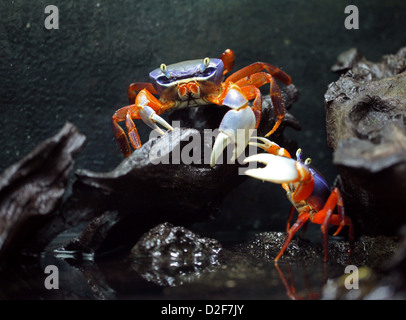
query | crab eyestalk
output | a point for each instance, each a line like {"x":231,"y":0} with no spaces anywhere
{"x":165,"y":70}
{"x":205,"y":64}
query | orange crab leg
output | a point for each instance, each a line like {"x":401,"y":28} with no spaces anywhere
{"x":125,"y":114}
{"x":146,"y":98}
{"x":228,"y":59}
{"x":277,"y":105}
{"x":258,"y":67}
{"x":341,"y":213}
{"x":132,"y":130}
{"x":135,"y":87}
{"x":130,"y":112}
{"x":259,"y":79}
{"x":303,"y":217}
{"x":291,"y":213}
{"x":325,"y":217}
{"x":118,"y":132}
{"x":251,"y":92}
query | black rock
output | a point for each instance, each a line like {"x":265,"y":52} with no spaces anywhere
{"x":365,"y":115}
{"x":168,"y":254}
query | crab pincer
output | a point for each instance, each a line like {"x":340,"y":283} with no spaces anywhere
{"x":277,"y":170}
{"x":236,"y":126}
{"x":150,"y":118}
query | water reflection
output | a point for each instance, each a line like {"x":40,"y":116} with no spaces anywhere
{"x":234,"y":275}
{"x":173,"y":275}
{"x":311,"y":292}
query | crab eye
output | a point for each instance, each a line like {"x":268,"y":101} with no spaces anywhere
{"x":299,"y":155}
{"x":208,"y":72}
{"x":205,"y":64}
{"x":164,"y":70}
{"x":163,"y":80}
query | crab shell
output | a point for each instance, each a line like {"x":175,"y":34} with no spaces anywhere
{"x":208,"y":77}
{"x":321,"y":191}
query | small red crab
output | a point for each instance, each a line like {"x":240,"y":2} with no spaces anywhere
{"x":200,"y":82}
{"x":306,"y":189}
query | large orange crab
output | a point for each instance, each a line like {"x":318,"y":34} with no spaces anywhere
{"x":200,"y":82}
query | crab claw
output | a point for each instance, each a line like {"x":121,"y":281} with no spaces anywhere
{"x":150,"y":118}
{"x":277,"y":169}
{"x":234,"y":128}
{"x":270,"y":147}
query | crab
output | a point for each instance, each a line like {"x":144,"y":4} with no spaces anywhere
{"x":306,"y":189}
{"x":201,"y":82}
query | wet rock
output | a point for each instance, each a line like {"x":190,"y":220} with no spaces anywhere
{"x":32,"y":189}
{"x":373,"y":252}
{"x":247,"y":269}
{"x":369,"y":251}
{"x":268,"y":244}
{"x":153,"y":185}
{"x":168,"y":255}
{"x":365,"y":119}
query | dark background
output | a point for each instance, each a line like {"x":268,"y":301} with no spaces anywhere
{"x":80,"y":72}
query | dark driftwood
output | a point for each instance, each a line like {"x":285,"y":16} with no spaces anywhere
{"x":32,"y":189}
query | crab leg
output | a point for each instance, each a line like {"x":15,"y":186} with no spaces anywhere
{"x":259,"y":79}
{"x":301,"y":220}
{"x":119,"y":134}
{"x":290,"y":217}
{"x":270,"y":147}
{"x":277,"y":105}
{"x":228,"y":59}
{"x":146,"y":107}
{"x":258,"y":67}
{"x":135,"y":87}
{"x":325,"y":217}
{"x":252,"y":92}
{"x":340,"y":209}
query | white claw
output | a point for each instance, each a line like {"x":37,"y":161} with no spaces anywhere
{"x":278,"y":169}
{"x":150,"y":118}
{"x":236,"y":127}
{"x":220,"y":144}
{"x":161,"y":121}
